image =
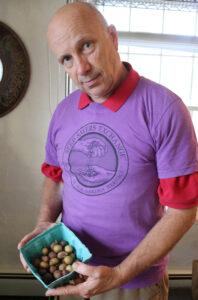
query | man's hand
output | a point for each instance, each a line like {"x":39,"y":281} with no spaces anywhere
{"x":40,"y":228}
{"x":98,"y":280}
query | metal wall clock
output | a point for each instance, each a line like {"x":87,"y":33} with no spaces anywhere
{"x":14,"y":69}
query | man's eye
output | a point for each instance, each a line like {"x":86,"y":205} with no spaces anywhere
{"x":66,"y":59}
{"x":87,"y":45}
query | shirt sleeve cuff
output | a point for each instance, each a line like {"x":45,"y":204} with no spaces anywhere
{"x":52,"y":172}
{"x":179,"y":192}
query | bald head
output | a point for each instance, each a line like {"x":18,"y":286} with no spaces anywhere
{"x":73,"y":13}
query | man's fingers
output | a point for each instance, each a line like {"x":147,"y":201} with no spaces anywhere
{"x":65,"y":290}
{"x":29,"y":237}
{"x":83,"y":269}
{"x":26,"y":238}
{"x":24,"y":263}
{"x":34,"y":233}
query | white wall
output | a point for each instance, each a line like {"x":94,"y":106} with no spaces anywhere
{"x":23,"y":135}
{"x":184,"y":252}
{"x":23,"y":131}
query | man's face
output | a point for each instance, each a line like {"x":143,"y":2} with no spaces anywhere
{"x":89,"y":54}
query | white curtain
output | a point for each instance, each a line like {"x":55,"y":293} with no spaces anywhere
{"x":157,"y":4}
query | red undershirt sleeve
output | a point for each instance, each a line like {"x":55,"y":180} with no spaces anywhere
{"x":179,"y":192}
{"x":52,"y":172}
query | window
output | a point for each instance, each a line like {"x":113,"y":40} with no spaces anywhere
{"x":161,"y":42}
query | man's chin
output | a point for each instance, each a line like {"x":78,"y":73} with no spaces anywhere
{"x":97,"y":99}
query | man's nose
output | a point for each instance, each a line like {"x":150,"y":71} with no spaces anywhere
{"x":82,"y":65}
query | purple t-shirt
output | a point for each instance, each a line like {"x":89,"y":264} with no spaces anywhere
{"x":112,"y":162}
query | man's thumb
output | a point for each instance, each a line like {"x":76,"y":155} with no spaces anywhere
{"x":82,"y":268}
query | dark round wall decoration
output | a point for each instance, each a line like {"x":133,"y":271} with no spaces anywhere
{"x":16,"y":69}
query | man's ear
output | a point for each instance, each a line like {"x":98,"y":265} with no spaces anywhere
{"x":114,"y":35}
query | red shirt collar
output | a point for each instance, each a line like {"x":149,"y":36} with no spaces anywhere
{"x":119,"y":97}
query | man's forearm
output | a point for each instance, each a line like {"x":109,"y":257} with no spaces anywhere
{"x":51,"y":202}
{"x":158,"y":242}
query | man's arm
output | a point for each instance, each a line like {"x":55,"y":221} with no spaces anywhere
{"x":50,"y":208}
{"x":51,"y":203}
{"x":158,"y":242}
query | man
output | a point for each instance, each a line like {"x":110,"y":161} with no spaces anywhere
{"x":124,"y":148}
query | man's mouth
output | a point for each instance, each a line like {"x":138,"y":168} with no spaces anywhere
{"x":91,"y":82}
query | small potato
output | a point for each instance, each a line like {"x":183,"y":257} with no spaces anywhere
{"x":52,"y":269}
{"x":45,"y":251}
{"x":52,"y":254}
{"x":69,"y":249}
{"x":62,"y":267}
{"x":63,"y":243}
{"x":57,"y":274}
{"x":69,"y":268}
{"x":42,"y":271}
{"x":62,"y":254}
{"x":53,"y":261}
{"x":73,"y":256}
{"x":78,"y":280}
{"x":53,"y":244}
{"x":36,"y":262}
{"x":57,"y":248}
{"x":44,"y":265}
{"x":68,"y":260}
{"x":47,"y":278}
{"x":45,"y":258}
{"x":64,"y":272}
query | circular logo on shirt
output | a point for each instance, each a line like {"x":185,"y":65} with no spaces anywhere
{"x":96,"y":159}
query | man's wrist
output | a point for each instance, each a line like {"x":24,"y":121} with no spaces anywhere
{"x":120,"y":276}
{"x":45,"y":223}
